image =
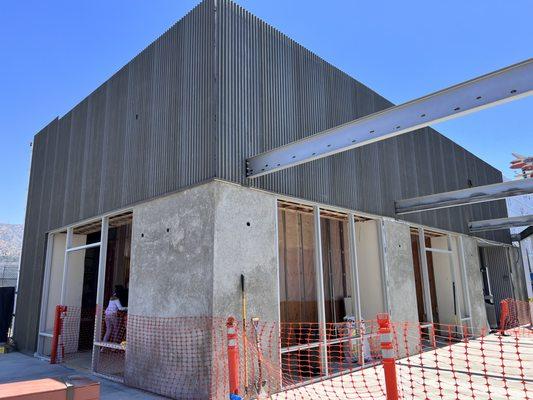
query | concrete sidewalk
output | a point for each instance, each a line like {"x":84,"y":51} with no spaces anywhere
{"x":20,"y":367}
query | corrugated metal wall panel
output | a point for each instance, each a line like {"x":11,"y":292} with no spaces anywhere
{"x":497,"y":262}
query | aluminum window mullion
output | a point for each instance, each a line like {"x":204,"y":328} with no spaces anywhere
{"x":320,"y":289}
{"x":458,"y":295}
{"x":100,"y":290}
{"x":425,"y":274}
{"x":68,"y":244}
{"x":83,"y":247}
{"x":352,"y":248}
{"x":435,"y":250}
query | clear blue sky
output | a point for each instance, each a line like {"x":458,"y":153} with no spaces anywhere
{"x":54,"y":53}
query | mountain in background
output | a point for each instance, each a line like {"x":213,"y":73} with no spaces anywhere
{"x":10,"y":243}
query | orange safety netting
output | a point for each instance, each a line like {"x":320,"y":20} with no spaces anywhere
{"x":515,"y":314}
{"x":187,"y":358}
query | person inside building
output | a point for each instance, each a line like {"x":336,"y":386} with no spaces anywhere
{"x":112,"y":319}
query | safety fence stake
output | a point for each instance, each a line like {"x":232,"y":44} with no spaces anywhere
{"x":388,"y":359}
{"x":57,"y":331}
{"x":504,"y":313}
{"x":233,"y":356}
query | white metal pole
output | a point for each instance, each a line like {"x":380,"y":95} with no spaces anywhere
{"x":68,"y":244}
{"x":100,"y":290}
{"x":356,"y":296}
{"x":320,"y":289}
{"x":458,"y":295}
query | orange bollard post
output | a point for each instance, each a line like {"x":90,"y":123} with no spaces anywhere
{"x":57,"y":331}
{"x":233,"y":356}
{"x":387,"y":354}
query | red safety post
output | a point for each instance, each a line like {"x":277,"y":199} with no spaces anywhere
{"x":504,"y":314}
{"x":387,"y":354}
{"x":57,"y":331}
{"x":233,"y":356}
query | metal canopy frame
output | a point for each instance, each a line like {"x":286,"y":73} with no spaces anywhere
{"x":500,"y":223}
{"x":478,"y":194}
{"x":504,"y":85}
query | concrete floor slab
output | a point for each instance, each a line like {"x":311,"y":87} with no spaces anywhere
{"x":19,"y":367}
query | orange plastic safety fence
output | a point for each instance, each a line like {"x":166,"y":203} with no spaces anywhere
{"x":515,"y":313}
{"x":78,"y":344}
{"x":187,"y":358}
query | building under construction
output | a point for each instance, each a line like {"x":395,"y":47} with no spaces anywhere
{"x":141,"y":191}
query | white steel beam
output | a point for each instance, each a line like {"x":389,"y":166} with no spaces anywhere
{"x":497,"y":87}
{"x":500,"y":223}
{"x":478,"y":194}
{"x":319,"y":271}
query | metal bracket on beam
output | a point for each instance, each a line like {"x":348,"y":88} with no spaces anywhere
{"x":473,"y":195}
{"x":497,"y":87}
{"x":500,"y":223}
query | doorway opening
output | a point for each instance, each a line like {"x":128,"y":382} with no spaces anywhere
{"x":440,"y":280}
{"x":86,"y":266}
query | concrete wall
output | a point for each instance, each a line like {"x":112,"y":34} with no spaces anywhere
{"x":369,"y":269}
{"x":171,"y":278}
{"x":517,"y":269}
{"x":400,"y":272}
{"x":172,"y":255}
{"x":475,"y":284}
{"x":401,"y":288}
{"x":246,"y":242}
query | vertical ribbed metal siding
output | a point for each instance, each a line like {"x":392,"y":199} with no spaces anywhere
{"x":273,"y":91}
{"x":497,"y":262}
{"x":147,"y":131}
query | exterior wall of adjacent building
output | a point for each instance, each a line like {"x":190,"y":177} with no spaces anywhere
{"x":218,"y":86}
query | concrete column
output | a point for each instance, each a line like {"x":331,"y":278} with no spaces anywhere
{"x":475,"y":284}
{"x":400,"y":272}
{"x":246,"y":242}
{"x":401,"y":285}
{"x":169,"y":331}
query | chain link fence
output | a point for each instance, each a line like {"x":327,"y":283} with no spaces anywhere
{"x":8,"y":275}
